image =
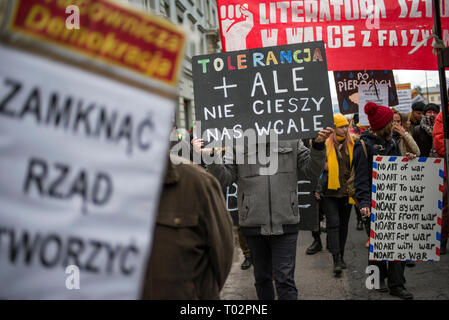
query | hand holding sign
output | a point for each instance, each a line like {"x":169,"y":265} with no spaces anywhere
{"x":197,"y":144}
{"x":365,"y":211}
{"x":324,"y":134}
{"x":410,"y":155}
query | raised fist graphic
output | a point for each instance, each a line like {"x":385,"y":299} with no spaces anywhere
{"x":236,"y":22}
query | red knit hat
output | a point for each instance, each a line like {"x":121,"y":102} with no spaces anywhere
{"x":378,"y":116}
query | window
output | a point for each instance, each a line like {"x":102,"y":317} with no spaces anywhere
{"x":165,"y":9}
{"x":192,"y":47}
{"x":203,"y":49}
{"x":207,"y":11}
{"x":214,"y":21}
{"x":187,"y":109}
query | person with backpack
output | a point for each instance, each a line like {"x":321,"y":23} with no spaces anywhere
{"x":378,"y":141}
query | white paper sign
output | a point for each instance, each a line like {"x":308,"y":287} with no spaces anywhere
{"x":369,"y":93}
{"x":406,"y":209}
{"x":418,"y":98}
{"x":81,"y":163}
{"x":404,"y":97}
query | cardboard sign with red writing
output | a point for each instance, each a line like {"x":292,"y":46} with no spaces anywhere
{"x":109,"y":33}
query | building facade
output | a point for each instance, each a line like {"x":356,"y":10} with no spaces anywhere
{"x":432,"y":95}
{"x":201,"y":17}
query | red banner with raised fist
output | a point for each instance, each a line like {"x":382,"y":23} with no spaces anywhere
{"x":359,"y":34}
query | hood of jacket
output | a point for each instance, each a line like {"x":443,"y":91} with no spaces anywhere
{"x":378,"y":146}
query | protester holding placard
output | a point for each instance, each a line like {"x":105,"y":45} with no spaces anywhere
{"x":378,"y":141}
{"x":193,"y":241}
{"x":336,"y":202}
{"x":268,"y":210}
{"x":405,"y":141}
{"x":400,"y":134}
{"x":422,"y":134}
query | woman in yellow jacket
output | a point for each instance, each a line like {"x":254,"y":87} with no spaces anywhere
{"x":336,"y":202}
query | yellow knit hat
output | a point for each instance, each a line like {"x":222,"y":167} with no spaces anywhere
{"x":340,"y":120}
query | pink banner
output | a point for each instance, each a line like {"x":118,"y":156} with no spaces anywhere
{"x":359,"y":34}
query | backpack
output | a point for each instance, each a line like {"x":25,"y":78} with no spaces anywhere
{"x":351,"y":187}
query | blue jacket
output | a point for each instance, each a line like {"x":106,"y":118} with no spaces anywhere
{"x":363,"y":166}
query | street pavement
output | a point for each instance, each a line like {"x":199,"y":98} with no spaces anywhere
{"x":315,"y":279}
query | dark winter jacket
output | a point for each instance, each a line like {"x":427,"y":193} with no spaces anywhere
{"x":268,"y":204}
{"x":193,"y":238}
{"x":423,"y":140}
{"x":363,"y":166}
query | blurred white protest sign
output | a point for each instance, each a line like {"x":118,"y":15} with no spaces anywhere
{"x":405,"y":97}
{"x":81,"y":165}
{"x":418,"y":98}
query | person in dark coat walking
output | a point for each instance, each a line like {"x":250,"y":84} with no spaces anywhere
{"x":378,"y":141}
{"x":193,"y":242}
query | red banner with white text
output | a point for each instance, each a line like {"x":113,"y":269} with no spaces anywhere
{"x":359,"y":34}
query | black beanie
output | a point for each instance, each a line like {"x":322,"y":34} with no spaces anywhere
{"x":431,"y":106}
{"x":418,"y":106}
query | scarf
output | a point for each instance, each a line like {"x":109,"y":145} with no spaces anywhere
{"x":333,"y":182}
{"x":427,"y":124}
{"x":340,"y":139}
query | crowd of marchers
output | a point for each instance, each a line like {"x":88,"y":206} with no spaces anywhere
{"x":193,"y":243}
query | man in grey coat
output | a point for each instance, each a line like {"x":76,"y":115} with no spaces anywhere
{"x":268,"y":209}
